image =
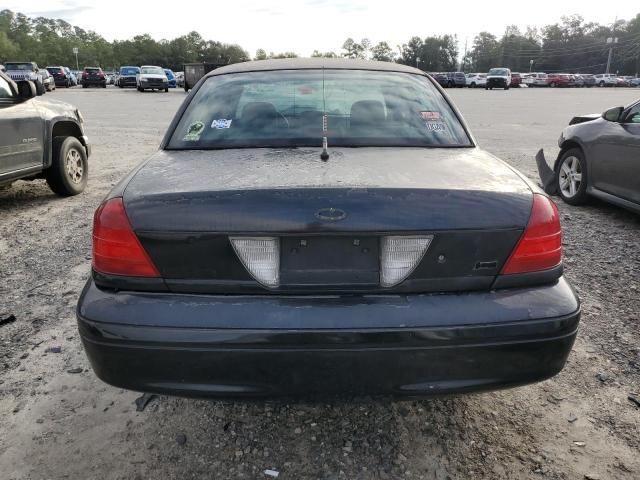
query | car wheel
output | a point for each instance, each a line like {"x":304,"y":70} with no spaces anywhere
{"x":68,"y":173}
{"x":140,"y":89}
{"x":601,"y":84}
{"x":166,"y":90}
{"x":506,"y":88}
{"x":40,"y":88}
{"x":473,"y":85}
{"x":571,"y":174}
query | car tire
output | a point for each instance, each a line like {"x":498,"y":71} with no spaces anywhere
{"x":473,"y":85}
{"x":572,"y":161}
{"x":40,"y":88}
{"x":84,"y":85}
{"x":506,"y":88}
{"x":601,"y":84}
{"x":166,"y":90}
{"x":140,"y":89}
{"x":69,"y":170}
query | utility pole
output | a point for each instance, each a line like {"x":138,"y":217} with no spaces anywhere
{"x":530,"y":65}
{"x":463,"y":63}
{"x":75,"y":51}
{"x":611,"y":41}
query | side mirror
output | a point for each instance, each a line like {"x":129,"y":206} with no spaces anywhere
{"x":26,"y":90}
{"x":613,"y":114}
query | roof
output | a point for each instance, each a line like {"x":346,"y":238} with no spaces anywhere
{"x":313,"y":63}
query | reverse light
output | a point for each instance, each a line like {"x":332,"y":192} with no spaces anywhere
{"x":540,"y":247}
{"x":399,"y":256}
{"x":261,"y":257}
{"x":116,"y":248}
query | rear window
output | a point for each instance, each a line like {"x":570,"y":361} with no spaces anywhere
{"x":290,"y":107}
{"x":92,"y":70}
{"x":54,"y":70}
{"x":129,"y":71}
{"x":152,"y":71}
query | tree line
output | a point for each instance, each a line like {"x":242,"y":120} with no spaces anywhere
{"x":570,"y":45}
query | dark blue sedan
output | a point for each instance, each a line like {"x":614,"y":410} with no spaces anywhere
{"x":321,"y":227}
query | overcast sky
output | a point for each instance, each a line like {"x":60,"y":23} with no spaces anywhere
{"x":305,"y":25}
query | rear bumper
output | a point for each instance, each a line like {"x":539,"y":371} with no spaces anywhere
{"x":404,"y":345}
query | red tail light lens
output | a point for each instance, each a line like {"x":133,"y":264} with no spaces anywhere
{"x":116,"y":249}
{"x":540,"y":247}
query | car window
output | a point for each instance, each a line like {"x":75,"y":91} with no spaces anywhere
{"x":634,"y":115}
{"x":287,"y":108}
{"x":152,"y":71}
{"x":5,"y":89}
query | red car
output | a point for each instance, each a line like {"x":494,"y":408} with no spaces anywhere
{"x":560,"y":80}
{"x":516,"y":80}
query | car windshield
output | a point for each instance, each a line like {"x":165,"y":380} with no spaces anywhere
{"x":18,"y":66}
{"x":152,"y":71}
{"x":129,"y":71}
{"x":290,"y":108}
{"x":499,"y":71}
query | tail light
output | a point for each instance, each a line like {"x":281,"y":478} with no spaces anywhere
{"x":540,"y":247}
{"x":116,"y":248}
{"x":84,"y":74}
{"x":400,"y":256}
{"x":261,"y":257}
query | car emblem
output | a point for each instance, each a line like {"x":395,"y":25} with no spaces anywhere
{"x":331,"y":214}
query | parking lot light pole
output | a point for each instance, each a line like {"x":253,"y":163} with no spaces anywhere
{"x":530,"y":65}
{"x":75,"y":52}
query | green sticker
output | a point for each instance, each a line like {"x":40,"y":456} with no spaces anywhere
{"x":193,"y":132}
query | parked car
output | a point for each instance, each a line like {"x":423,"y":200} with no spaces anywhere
{"x":47,"y":80}
{"x":180,"y":79}
{"x":171,"y":78}
{"x":598,"y":157}
{"x":605,"y":80}
{"x":635,"y":82}
{"x":128,"y":76}
{"x":152,"y":78}
{"x":623,"y":81}
{"x":537,"y":79}
{"x":60,"y":76}
{"x":41,"y":139}
{"x":2,"y":69}
{"x":93,"y":76}
{"x":456,"y":79}
{"x":476,"y":80}
{"x":498,"y":78}
{"x":322,"y":272}
{"x":587,"y":80}
{"x":25,"y":71}
{"x":441,"y":78}
{"x":516,"y":80}
{"x":560,"y":80}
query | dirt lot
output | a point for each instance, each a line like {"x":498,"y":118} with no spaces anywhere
{"x":55,"y":424}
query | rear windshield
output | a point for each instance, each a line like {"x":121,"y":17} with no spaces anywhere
{"x":503,"y":72}
{"x":18,"y":66}
{"x":292,"y":107}
{"x":53,"y":69}
{"x":129,"y":71}
{"x":92,"y":70}
{"x":152,"y":71}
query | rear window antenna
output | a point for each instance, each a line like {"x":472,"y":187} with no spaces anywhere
{"x":324,"y":156}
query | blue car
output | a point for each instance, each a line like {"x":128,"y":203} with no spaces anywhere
{"x":173,"y":83}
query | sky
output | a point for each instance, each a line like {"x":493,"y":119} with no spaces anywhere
{"x":305,"y":25}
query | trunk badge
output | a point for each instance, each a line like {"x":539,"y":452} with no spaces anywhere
{"x":331,"y":214}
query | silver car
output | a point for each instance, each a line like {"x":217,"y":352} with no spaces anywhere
{"x":599,"y":156}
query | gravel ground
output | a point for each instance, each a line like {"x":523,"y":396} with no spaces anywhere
{"x":56,"y":424}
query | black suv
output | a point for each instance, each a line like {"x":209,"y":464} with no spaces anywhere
{"x":41,"y":139}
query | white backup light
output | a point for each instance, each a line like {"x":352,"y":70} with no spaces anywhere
{"x":261,"y":257}
{"x":399,"y":256}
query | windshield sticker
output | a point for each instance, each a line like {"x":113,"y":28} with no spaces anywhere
{"x":435,"y":126}
{"x":221,"y":123}
{"x":430,"y":116}
{"x":193,"y":132}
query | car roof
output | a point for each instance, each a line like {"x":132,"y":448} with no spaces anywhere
{"x":313,"y":63}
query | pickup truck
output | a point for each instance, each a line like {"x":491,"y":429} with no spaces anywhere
{"x":19,"y":71}
{"x":41,"y":139}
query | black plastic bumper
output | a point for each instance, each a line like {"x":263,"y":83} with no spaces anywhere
{"x":405,"y":345}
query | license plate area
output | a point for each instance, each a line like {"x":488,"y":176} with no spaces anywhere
{"x":329,"y":261}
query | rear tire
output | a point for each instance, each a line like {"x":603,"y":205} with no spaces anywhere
{"x":601,"y":84}
{"x":69,"y":170}
{"x":571,"y":177}
{"x":166,"y":90}
{"x":140,"y":89}
{"x":40,"y":88}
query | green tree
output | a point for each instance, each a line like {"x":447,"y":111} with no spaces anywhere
{"x":383,"y":52}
